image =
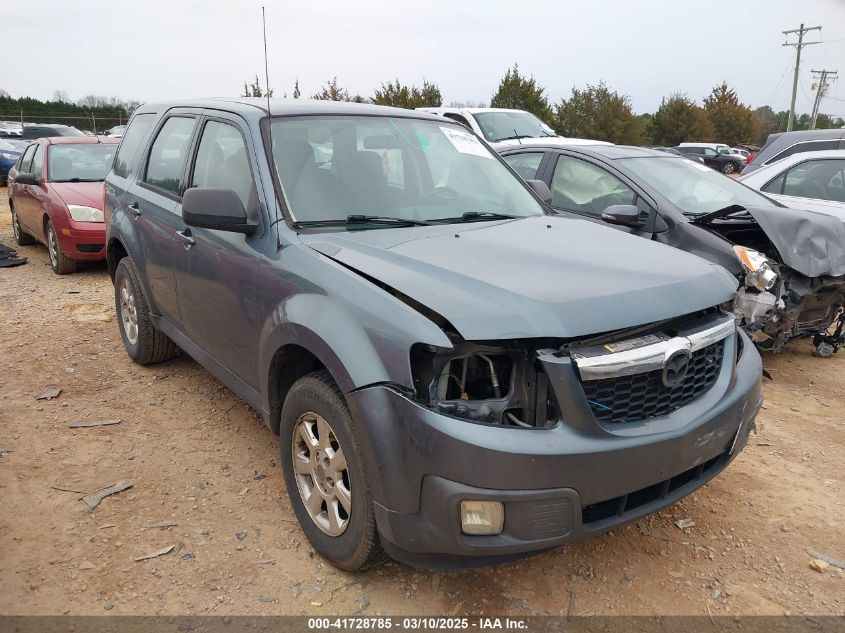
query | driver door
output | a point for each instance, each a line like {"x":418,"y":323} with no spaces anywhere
{"x":587,"y":189}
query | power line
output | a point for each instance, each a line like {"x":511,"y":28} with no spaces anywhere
{"x":798,"y":46}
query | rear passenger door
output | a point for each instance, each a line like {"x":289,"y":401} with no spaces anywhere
{"x":217,"y":280}
{"x":526,"y":164}
{"x":154,"y":200}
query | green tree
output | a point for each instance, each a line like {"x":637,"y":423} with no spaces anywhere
{"x":733,"y":122}
{"x":596,"y":112}
{"x":679,"y":119}
{"x":331,"y":91}
{"x":254,"y":90}
{"x":296,"y":92}
{"x":400,"y":95}
{"x":521,"y":93}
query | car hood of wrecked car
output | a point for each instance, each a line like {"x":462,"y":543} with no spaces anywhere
{"x":809,"y":242}
{"x":544,"y":276}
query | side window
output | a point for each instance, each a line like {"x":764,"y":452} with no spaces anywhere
{"x":458,"y":118}
{"x":525,"y":164}
{"x":710,"y":152}
{"x":819,"y":179}
{"x":586,"y":188}
{"x":807,"y":146}
{"x":775,"y":186}
{"x":222,"y":162}
{"x":131,"y":141}
{"x":37,"y":167}
{"x":26,"y":160}
{"x":169,"y":152}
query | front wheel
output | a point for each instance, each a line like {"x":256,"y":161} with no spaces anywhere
{"x":61,"y":264}
{"x":324,"y":474}
{"x":728,"y":168}
{"x":143,"y":342}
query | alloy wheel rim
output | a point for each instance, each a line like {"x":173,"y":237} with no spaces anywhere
{"x":16,"y":226}
{"x":128,"y":312}
{"x":52,"y":246}
{"x":321,"y":474}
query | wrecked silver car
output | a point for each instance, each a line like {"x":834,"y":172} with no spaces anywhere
{"x":790,"y":263}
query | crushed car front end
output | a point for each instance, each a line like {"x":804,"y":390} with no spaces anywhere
{"x":505,"y":448}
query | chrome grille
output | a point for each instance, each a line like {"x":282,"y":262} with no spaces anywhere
{"x":644,"y":395}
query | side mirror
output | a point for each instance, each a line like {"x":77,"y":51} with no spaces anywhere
{"x":25,"y":178}
{"x":541,"y":189}
{"x":218,"y":209}
{"x":622,"y":214}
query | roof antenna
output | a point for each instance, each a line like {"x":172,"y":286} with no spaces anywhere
{"x":270,"y":128}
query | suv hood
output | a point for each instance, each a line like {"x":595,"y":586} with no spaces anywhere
{"x":535,"y":277}
{"x":809,"y":242}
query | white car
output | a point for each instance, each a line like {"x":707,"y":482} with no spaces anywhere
{"x":811,"y":180}
{"x":502,"y":125}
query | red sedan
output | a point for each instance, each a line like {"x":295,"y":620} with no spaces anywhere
{"x":56,"y":197}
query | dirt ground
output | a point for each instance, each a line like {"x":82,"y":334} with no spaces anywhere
{"x":199,"y":458}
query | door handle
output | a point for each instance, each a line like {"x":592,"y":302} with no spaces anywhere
{"x":185,"y":238}
{"x":134,"y":209}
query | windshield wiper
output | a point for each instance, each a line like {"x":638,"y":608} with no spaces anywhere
{"x":475,"y":216}
{"x":363,"y":219}
{"x":513,"y":138}
{"x":81,"y":180}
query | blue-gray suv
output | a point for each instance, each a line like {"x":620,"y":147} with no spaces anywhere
{"x":455,"y":374}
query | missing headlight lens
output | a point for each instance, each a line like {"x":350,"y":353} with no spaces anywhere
{"x":759,"y":271}
{"x":484,"y":384}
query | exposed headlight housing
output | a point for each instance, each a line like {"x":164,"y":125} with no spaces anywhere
{"x":84,"y":214}
{"x":759,"y":269}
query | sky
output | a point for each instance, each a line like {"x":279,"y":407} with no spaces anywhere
{"x":154,"y":50}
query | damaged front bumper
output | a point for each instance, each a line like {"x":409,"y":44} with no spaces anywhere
{"x":582,"y":475}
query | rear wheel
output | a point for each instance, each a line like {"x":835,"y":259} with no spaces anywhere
{"x":62,"y":265}
{"x":22,"y":238}
{"x":143,"y":342}
{"x":728,"y":168}
{"x":324,"y":474}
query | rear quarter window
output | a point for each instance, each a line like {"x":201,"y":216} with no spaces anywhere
{"x":131,"y":142}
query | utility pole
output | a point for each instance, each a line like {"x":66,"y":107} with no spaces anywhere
{"x":798,"y":46}
{"x":821,"y":90}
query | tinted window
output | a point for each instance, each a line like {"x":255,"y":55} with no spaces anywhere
{"x":820,"y":179}
{"x":806,"y":146}
{"x":169,"y":152}
{"x":37,"y":167}
{"x":586,"y":188}
{"x":709,"y":152}
{"x":525,"y":164}
{"x":222,"y":162}
{"x":130,"y":143}
{"x":89,"y":162}
{"x":26,"y":159}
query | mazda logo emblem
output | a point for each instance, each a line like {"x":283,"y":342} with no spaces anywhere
{"x":676,"y":368}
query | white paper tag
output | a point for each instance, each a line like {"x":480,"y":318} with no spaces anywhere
{"x":465,"y":142}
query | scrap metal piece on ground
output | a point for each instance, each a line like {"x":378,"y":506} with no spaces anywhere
{"x":162,"y":526}
{"x":49,"y":393}
{"x":683,"y":524}
{"x":827,"y":559}
{"x":4,"y":450}
{"x":157,"y":553}
{"x":84,"y":424}
{"x":93,"y":500}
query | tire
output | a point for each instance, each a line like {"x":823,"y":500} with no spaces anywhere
{"x":351,"y":544}
{"x":728,"y":168}
{"x":61,"y":264}
{"x":144,"y":344}
{"x":22,"y":238}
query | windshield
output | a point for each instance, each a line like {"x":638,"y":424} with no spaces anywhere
{"x":500,"y":126}
{"x":694,"y":188}
{"x":83,"y":162}
{"x":333,"y":167}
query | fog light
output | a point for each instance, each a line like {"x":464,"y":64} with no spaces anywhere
{"x":482,"y":517}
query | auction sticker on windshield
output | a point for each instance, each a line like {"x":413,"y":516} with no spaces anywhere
{"x":465,"y":142}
